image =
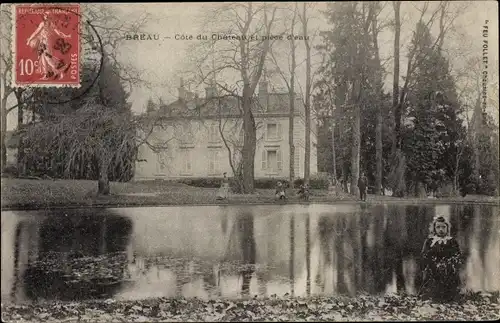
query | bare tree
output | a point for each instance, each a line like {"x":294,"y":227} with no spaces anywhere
{"x":378,"y":88}
{"x":290,"y":84}
{"x":245,"y":54}
{"x":307,"y":106}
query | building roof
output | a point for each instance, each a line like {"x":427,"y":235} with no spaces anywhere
{"x":277,"y":103}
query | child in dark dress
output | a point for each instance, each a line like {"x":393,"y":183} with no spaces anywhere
{"x":280,"y":191}
{"x":441,"y":261}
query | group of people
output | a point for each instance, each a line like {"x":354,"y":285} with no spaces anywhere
{"x":303,"y":192}
{"x":280,"y":191}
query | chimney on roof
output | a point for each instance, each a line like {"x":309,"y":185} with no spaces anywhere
{"x":264,"y":92}
{"x":263,"y":95}
{"x":182,"y":90}
{"x":211,"y":91}
{"x":189,"y":96}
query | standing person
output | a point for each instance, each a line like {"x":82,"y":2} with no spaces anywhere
{"x":304,"y":192}
{"x":362,"y":187}
{"x":224,"y":188}
{"x":440,"y":261}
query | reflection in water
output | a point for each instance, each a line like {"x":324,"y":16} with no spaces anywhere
{"x":308,"y":255}
{"x":247,"y":244}
{"x":235,"y":251}
{"x":292,"y":255}
{"x":16,"y":260}
{"x":77,"y":257}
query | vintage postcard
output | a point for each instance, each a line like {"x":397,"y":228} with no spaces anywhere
{"x":250,"y":161}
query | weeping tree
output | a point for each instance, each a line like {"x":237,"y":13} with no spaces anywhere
{"x":94,"y":132}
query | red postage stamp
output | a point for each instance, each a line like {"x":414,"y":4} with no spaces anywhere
{"x":46,"y":45}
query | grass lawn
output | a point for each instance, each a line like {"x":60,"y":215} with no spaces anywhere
{"x":31,"y":193}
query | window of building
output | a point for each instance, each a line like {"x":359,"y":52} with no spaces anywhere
{"x":213,"y":133}
{"x":187,"y":135}
{"x":241,"y":137}
{"x":237,"y":156}
{"x":161,"y":161}
{"x":272,"y":160}
{"x":273,"y":131}
{"x":186,"y":161}
{"x":296,"y":160}
{"x":214,"y":162}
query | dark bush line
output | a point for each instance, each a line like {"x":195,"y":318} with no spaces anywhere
{"x":260,"y":183}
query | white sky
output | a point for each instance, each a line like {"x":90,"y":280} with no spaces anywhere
{"x":160,"y":61}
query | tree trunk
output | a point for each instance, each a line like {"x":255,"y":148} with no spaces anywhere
{"x":378,"y":125}
{"x":307,"y":161}
{"x":343,"y":170}
{"x":20,"y":146}
{"x":291,"y":123}
{"x":378,"y":153}
{"x":249,"y":143}
{"x":477,"y":122}
{"x":292,"y":107}
{"x":334,"y":157}
{"x":355,"y":150}
{"x":103,"y":183}
{"x":398,"y":165}
{"x":395,"y":81}
{"x":3,"y":115}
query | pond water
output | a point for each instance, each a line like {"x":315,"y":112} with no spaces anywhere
{"x":234,"y":251}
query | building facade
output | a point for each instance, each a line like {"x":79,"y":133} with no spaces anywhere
{"x":202,"y":137}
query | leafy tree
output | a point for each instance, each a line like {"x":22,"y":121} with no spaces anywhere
{"x":433,"y":138}
{"x":350,"y":71}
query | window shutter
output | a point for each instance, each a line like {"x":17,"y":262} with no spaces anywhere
{"x":216,"y":162}
{"x":279,"y":159}
{"x":280,"y":132}
{"x":241,"y":138}
{"x":211,"y":165}
{"x":188,"y":161}
{"x":266,"y":129}
{"x":264,"y":159}
{"x":215,"y":133}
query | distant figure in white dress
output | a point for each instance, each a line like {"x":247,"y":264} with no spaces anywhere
{"x":224,"y":188}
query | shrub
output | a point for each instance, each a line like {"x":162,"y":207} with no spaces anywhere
{"x":317,"y":183}
{"x":260,"y":183}
{"x":10,"y":171}
{"x":297,"y":182}
{"x":269,"y":183}
{"x":207,"y":182}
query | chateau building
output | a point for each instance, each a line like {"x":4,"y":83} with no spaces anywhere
{"x":196,"y":137}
